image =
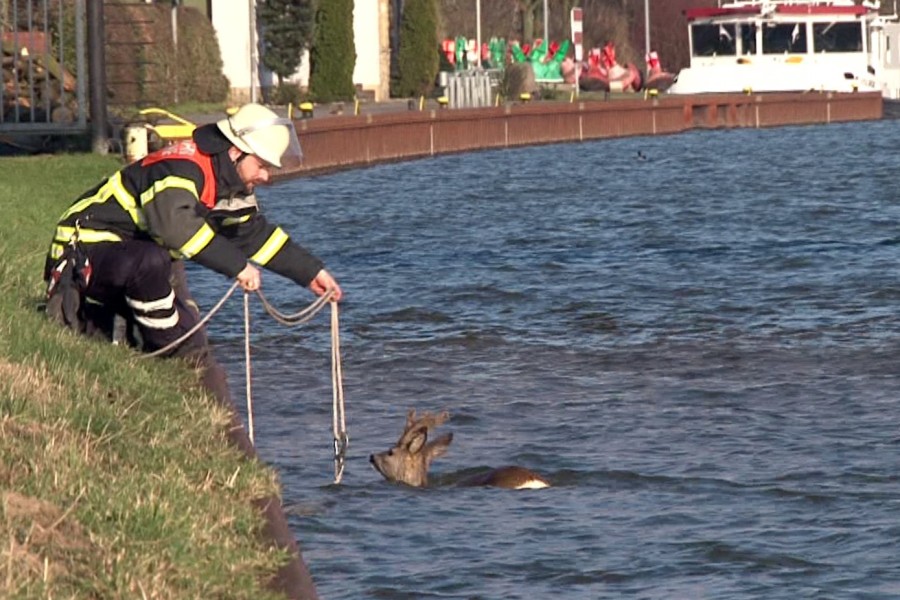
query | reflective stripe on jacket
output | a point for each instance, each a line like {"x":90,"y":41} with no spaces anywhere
{"x":172,"y":197}
{"x":165,"y":198}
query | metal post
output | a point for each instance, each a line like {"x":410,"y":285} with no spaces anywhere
{"x":97,"y":75}
{"x":575,"y":22}
{"x":81,"y":92}
{"x":478,"y":31}
{"x":647,"y":26}
{"x":546,"y":20}
{"x":254,"y":58}
{"x":175,"y":47}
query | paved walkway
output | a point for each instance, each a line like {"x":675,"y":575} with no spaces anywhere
{"x":331,"y":109}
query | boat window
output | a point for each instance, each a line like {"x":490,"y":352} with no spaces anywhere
{"x":748,"y":38}
{"x":837,"y":37}
{"x":784,"y":38}
{"x":713,"y":40}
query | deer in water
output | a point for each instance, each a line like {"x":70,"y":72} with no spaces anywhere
{"x":408,"y":461}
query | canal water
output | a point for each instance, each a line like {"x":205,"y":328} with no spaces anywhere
{"x":695,"y":338}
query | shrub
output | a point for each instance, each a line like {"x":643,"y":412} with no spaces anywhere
{"x":286,"y":30}
{"x":285,"y":93}
{"x":199,"y":60}
{"x":333,"y":53}
{"x":417,"y":58}
{"x":149,"y":72}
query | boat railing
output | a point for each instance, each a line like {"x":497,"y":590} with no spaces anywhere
{"x":773,"y":3}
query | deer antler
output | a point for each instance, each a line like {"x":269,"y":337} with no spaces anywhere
{"x":427,"y":421}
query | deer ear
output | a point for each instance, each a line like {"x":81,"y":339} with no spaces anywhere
{"x":418,"y":440}
{"x":439,"y":446}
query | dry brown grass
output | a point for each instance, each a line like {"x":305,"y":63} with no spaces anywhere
{"x":116,"y":478}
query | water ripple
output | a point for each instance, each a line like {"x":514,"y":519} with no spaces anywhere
{"x":705,"y":369}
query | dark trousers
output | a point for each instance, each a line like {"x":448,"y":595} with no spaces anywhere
{"x":134,"y":279}
{"x":138,"y":280}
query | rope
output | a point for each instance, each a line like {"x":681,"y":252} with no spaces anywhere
{"x":196,"y":327}
{"x":338,"y":421}
{"x":247,"y":377}
{"x":300,"y":317}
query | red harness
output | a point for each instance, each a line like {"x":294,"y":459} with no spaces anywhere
{"x":187,"y":150}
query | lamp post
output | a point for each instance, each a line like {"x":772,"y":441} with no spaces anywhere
{"x":478,"y":32}
{"x":175,"y":4}
{"x":96,"y":74}
{"x":546,"y":20}
{"x":254,"y":55}
{"x":646,"y":26}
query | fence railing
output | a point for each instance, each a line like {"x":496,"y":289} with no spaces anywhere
{"x":470,"y":89}
{"x":352,"y":141}
{"x":40,"y":93}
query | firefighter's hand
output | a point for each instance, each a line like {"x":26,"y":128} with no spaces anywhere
{"x":324,"y":282}
{"x":249,"y":278}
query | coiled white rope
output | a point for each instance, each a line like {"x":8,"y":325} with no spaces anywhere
{"x":247,"y":374}
{"x":300,"y":317}
{"x":196,"y":327}
{"x":338,"y":422}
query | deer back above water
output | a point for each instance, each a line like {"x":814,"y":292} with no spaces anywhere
{"x":409,"y":459}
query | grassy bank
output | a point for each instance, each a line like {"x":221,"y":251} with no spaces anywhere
{"x":115,"y":476}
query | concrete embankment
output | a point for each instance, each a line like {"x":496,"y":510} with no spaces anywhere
{"x":349,"y":141}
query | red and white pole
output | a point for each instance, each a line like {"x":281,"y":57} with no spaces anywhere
{"x":577,"y":41}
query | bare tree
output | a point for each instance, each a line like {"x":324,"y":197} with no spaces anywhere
{"x":529,"y":10}
{"x":668,"y":29}
{"x":457,"y":17}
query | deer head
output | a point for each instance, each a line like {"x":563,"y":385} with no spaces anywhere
{"x":408,"y":461}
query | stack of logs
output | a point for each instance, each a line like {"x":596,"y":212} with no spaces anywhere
{"x":35,"y":86}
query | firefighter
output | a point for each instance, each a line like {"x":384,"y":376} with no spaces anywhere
{"x":113,"y":249}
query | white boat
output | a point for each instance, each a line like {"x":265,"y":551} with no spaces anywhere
{"x":792,"y":45}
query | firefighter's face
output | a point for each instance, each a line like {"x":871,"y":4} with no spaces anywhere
{"x":253,"y":171}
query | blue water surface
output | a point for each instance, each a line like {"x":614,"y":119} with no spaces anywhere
{"x":699,"y":350}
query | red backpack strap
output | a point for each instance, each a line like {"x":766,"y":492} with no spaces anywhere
{"x":187,"y":150}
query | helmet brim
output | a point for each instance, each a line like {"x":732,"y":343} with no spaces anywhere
{"x":249,"y":140}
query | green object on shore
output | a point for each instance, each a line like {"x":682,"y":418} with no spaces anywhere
{"x":460,"y":50}
{"x":497,"y":48}
{"x":544,"y":70}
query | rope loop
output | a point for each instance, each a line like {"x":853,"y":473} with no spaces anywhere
{"x":338,"y":423}
{"x":300,"y":317}
{"x":196,"y":327}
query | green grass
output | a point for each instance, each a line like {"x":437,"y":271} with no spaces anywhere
{"x":116,"y":479}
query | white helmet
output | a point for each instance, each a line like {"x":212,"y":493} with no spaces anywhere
{"x":256,"y":130}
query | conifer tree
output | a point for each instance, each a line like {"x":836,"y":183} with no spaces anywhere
{"x":286,"y":31}
{"x":417,"y":57}
{"x":333,"y":53}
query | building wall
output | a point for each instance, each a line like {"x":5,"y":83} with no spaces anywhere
{"x":370,"y":34}
{"x":232,"y":22}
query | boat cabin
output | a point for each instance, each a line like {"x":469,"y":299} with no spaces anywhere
{"x":789,"y":45}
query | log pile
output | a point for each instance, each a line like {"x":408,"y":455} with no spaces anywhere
{"x":36,"y":88}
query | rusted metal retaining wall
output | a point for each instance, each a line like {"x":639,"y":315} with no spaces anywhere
{"x":353,"y":141}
